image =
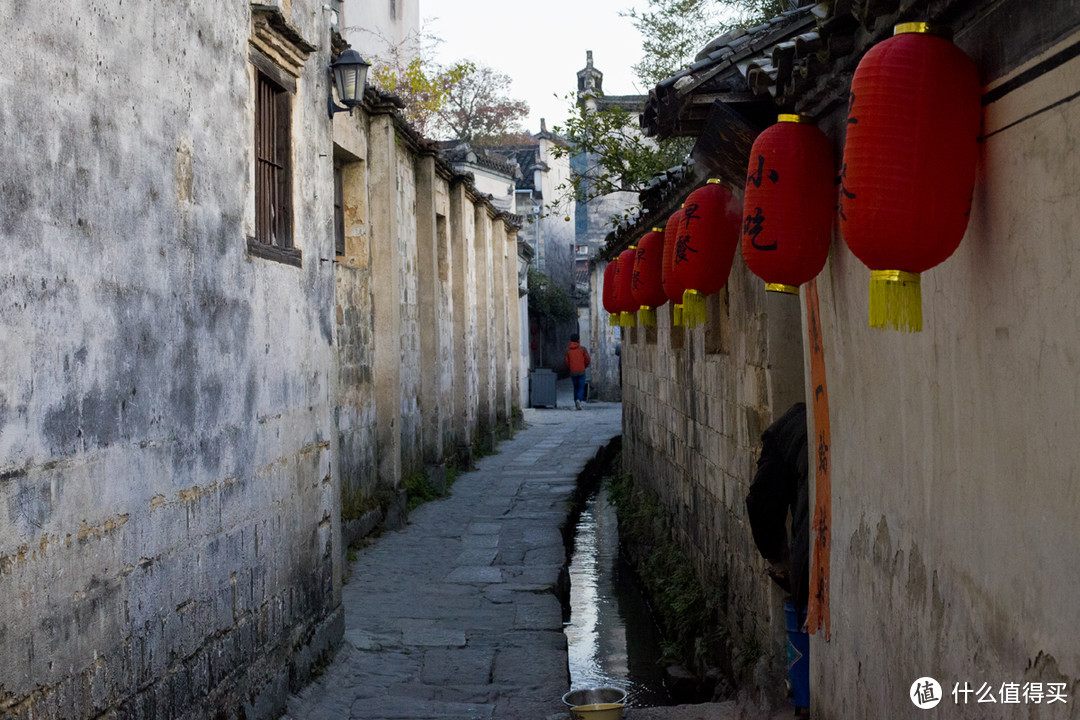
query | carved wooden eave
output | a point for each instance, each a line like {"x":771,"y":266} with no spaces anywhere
{"x":276,"y":38}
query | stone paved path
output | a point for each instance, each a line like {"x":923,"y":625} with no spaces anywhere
{"x":455,"y":616}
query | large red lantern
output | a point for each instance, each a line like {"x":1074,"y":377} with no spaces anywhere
{"x":624,"y":288}
{"x":672,"y":289}
{"x":909,"y":165}
{"x":709,"y":230}
{"x":788,"y":204}
{"x":648,"y":285}
{"x":608,"y":293}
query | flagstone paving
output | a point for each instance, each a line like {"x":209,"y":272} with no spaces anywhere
{"x":456,"y":615}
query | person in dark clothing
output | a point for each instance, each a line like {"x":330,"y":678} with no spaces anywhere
{"x":780,"y":486}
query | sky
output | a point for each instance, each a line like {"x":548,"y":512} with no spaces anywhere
{"x":540,"y":45}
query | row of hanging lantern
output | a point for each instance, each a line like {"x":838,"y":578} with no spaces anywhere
{"x":906,"y":183}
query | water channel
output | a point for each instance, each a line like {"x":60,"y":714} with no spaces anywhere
{"x":613,"y":640}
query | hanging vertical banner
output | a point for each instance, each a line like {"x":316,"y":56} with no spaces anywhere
{"x":818,"y":614}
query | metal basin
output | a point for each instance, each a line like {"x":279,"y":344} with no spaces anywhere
{"x":595,"y":703}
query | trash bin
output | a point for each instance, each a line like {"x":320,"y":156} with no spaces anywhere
{"x":542,"y":388}
{"x":798,"y":656}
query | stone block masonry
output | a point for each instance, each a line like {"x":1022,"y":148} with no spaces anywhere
{"x":695,"y":404}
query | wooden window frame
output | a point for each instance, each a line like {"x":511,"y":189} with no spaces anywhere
{"x":274,"y":92}
{"x":339,"y":209}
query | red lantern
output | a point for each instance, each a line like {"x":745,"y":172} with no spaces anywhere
{"x":648,"y":275}
{"x":608,"y":293}
{"x":909,"y":165}
{"x":709,"y":230}
{"x":788,"y":204}
{"x":672,"y":289}
{"x":624,"y":288}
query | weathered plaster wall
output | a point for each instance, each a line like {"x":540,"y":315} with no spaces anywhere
{"x":412,"y":453}
{"x":501,"y":344}
{"x":386,"y":289}
{"x":442,"y":366}
{"x":414,"y":366}
{"x":695,"y":402}
{"x":166,"y":431}
{"x":557,"y":225}
{"x":463,"y":254}
{"x":954,"y":459}
{"x":518,"y":371}
{"x":355,"y":392}
{"x":485,"y":320}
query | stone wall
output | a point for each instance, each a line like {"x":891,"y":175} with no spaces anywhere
{"x":435,"y":320}
{"x":466,"y":362}
{"x":179,"y":402}
{"x":695,"y":402}
{"x":167,"y":481}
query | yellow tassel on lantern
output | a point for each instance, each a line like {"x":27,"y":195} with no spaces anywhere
{"x":647,"y":316}
{"x":676,"y":315}
{"x":613,"y":319}
{"x":628,"y":319}
{"x":895,"y":300}
{"x":782,"y":288}
{"x":693,"y":303}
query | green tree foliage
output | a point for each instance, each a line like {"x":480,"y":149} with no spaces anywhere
{"x":548,"y":302}
{"x":425,"y":89}
{"x":673,"y":31}
{"x":462,"y":101}
{"x":611,"y":155}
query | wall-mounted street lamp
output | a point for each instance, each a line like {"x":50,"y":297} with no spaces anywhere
{"x":349,"y":73}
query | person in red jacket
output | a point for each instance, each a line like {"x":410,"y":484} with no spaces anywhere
{"x":577,"y":359}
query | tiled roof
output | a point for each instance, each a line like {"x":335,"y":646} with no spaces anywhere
{"x":630,"y":103}
{"x":734,"y":68}
{"x":463,"y":153}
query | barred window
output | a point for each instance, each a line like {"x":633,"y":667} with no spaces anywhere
{"x":339,"y":210}
{"x":273,"y":172}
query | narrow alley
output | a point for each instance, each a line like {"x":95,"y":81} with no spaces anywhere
{"x":290,"y":291}
{"x":456,"y":615}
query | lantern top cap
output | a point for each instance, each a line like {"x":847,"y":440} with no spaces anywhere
{"x":793,"y":118}
{"x":656,"y":229}
{"x":632,"y":247}
{"x":923,"y":28}
{"x":713,"y":181}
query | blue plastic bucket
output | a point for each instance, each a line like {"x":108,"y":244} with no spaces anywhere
{"x":798,"y":657}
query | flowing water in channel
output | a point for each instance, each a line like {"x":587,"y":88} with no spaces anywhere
{"x":612,"y":638}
